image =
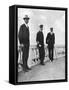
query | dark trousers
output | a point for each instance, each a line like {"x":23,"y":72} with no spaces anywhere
{"x":51,"y":51}
{"x":41,"y":54}
{"x":25,"y":56}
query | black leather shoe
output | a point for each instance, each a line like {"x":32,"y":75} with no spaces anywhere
{"x":25,"y":70}
{"x":51,"y":60}
{"x":42,"y":63}
{"x":28,"y":68}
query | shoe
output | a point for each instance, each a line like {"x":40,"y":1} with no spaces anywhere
{"x":51,"y":60}
{"x":28,"y":68}
{"x":25,"y":70}
{"x":42,"y":63}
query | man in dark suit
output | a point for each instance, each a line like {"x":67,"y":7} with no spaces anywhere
{"x":40,"y":45}
{"x":50,"y":40}
{"x":25,"y":42}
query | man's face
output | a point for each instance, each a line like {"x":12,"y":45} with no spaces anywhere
{"x":51,"y":29}
{"x":26,"y":21}
{"x":41,"y":28}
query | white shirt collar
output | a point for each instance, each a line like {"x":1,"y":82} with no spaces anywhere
{"x":51,"y":33}
{"x":26,"y":25}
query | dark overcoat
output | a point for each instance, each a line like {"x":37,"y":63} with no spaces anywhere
{"x":40,"y":39}
{"x":24,"y":39}
{"x":50,"y":40}
{"x":24,"y":34}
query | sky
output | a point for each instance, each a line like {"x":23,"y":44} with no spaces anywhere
{"x":49,"y":18}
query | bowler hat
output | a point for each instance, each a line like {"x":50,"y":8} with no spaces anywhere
{"x":26,"y":17}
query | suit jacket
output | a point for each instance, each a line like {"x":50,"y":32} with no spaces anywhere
{"x":50,"y":40}
{"x":24,"y":34}
{"x":40,"y":38}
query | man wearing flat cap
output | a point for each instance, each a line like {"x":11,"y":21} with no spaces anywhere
{"x":50,"y":40}
{"x":40,"y":44}
{"x":25,"y":42}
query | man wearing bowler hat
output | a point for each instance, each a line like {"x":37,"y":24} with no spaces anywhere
{"x":40,"y":44}
{"x":50,"y":40}
{"x":25,"y":42}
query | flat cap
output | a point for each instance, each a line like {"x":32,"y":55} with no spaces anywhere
{"x":41,"y":26}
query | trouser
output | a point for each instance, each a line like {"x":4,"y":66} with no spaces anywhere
{"x":41,"y":54}
{"x":25,"y":56}
{"x":50,"y":50}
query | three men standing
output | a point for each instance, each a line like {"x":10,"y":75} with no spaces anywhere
{"x":40,"y":45}
{"x":25,"y":42}
{"x":24,"y":39}
{"x":50,"y":40}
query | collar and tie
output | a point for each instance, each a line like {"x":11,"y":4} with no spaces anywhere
{"x":27,"y":26}
{"x":51,"y":33}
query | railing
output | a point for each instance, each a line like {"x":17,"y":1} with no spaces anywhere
{"x":59,"y":51}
